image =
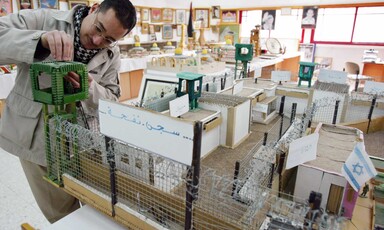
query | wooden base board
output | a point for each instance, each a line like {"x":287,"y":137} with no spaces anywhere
{"x":128,"y":188}
{"x":87,"y":194}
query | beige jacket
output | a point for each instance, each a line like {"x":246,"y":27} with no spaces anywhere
{"x":21,"y":125}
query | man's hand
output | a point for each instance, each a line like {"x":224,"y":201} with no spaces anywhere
{"x":74,"y":79}
{"x":59,"y":43}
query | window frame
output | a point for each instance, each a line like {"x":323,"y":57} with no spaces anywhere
{"x":350,"y":42}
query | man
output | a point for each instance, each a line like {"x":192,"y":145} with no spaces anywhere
{"x":83,"y":34}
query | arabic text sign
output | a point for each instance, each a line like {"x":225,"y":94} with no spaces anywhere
{"x":152,"y":131}
{"x":302,"y":150}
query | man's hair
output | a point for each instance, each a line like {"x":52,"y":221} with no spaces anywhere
{"x":125,"y":12}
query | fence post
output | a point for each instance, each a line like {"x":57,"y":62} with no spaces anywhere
{"x":371,"y":112}
{"x":357,"y":80}
{"x":235,"y":176}
{"x":311,"y":115}
{"x":193,"y":176}
{"x":271,"y":178}
{"x":112,"y":171}
{"x":335,"y":112}
{"x":282,"y":102}
{"x":293,"y":112}
{"x":281,"y":112}
{"x":265,"y":138}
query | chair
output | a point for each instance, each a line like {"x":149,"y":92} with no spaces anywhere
{"x":352,"y":68}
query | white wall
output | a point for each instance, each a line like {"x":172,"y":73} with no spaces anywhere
{"x":310,"y":179}
{"x":257,"y":3}
{"x":343,"y":53}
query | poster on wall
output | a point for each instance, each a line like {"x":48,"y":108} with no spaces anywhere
{"x":24,"y":4}
{"x":268,"y":19}
{"x":51,"y":4}
{"x":215,"y":12}
{"x":307,"y":52}
{"x":230,"y":31}
{"x":5,"y":7}
{"x":309,"y":17}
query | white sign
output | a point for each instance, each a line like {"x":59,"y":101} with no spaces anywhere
{"x":179,"y":106}
{"x":158,"y":133}
{"x":238,"y":87}
{"x":332,"y":76}
{"x":278,"y":76}
{"x":302,"y":150}
{"x":373,"y":87}
{"x":261,"y":107}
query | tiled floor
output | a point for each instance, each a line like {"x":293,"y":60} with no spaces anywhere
{"x":17,"y":204}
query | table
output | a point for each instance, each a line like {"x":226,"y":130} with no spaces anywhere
{"x":84,"y":218}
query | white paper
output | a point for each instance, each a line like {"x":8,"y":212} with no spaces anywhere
{"x":179,"y":106}
{"x":302,"y":150}
{"x":373,"y":87}
{"x":332,"y":76}
{"x":278,"y":76}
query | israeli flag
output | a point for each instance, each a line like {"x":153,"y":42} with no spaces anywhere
{"x":358,"y":168}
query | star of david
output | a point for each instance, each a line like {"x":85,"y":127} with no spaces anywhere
{"x":357,"y":168}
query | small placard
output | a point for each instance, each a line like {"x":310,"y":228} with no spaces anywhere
{"x":179,"y":106}
{"x":278,"y":76}
{"x":302,"y":150}
{"x":148,"y":130}
{"x":332,"y":76}
{"x":373,"y":87}
{"x":257,"y":72}
{"x":238,"y":87}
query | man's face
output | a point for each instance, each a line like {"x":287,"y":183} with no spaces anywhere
{"x":100,"y":30}
{"x":310,"y":13}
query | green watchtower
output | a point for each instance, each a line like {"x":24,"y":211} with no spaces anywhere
{"x":191,"y":79}
{"x":58,"y":99}
{"x":243,"y":54}
{"x":306,"y":72}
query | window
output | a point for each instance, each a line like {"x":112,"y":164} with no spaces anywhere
{"x":286,"y":26}
{"x":346,"y":25}
{"x":368,"y":25}
{"x":335,"y":24}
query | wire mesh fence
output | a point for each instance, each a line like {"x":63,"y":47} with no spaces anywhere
{"x":120,"y":179}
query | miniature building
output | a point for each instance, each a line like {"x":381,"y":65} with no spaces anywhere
{"x":182,"y":63}
{"x":324,"y":174}
{"x":155,"y":50}
{"x":255,"y":40}
{"x":227,"y":52}
{"x":194,"y":91}
{"x":137,"y":51}
{"x":169,"y":48}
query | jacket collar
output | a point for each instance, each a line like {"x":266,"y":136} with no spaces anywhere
{"x":66,"y":16}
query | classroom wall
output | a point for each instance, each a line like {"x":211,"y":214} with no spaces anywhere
{"x":343,"y":53}
{"x":243,"y":3}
